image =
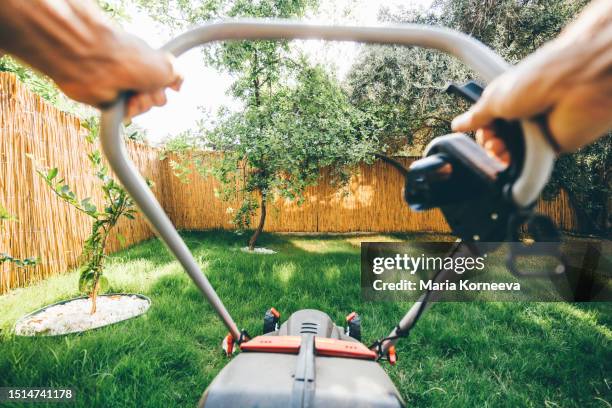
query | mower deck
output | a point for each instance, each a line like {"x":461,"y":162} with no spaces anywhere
{"x":308,"y":362}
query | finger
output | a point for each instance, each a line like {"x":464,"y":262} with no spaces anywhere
{"x":505,"y":158}
{"x":483,"y":135}
{"x":146,"y":103}
{"x":496,"y":149}
{"x":132,"y":107}
{"x":148,"y":69}
{"x":138,"y":104}
{"x":493,"y":145}
{"x":480,"y":137}
{"x":159,"y":97}
{"x":141,"y":103}
{"x":176,"y":78}
{"x":477,"y":116}
{"x":168,"y":74}
{"x":496,"y":146}
{"x":176,"y":85}
{"x":521,"y":92}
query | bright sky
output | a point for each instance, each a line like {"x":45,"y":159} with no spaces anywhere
{"x":206,"y":88}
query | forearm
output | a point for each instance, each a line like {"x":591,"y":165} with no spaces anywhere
{"x":583,"y":50}
{"x":582,"y":53}
{"x":569,"y":79}
{"x":91,"y":60}
{"x":585,"y":47}
{"x":48,"y":33}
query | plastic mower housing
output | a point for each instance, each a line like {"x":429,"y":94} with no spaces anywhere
{"x":307,"y":362}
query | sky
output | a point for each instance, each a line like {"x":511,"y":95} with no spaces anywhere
{"x":206,"y":88}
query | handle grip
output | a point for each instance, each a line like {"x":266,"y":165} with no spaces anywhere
{"x":538,"y":158}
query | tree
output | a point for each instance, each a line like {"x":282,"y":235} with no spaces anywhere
{"x":282,"y":144}
{"x":262,"y":140}
{"x":117,"y":204}
{"x":402,"y":89}
{"x":258,"y":67}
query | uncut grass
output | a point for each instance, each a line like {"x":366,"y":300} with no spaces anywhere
{"x":460,"y":354}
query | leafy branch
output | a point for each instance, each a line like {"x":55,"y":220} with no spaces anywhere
{"x":117,"y":204}
{"x":4,"y":257}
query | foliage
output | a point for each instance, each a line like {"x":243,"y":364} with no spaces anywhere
{"x":5,"y":215}
{"x":587,"y":176}
{"x":33,"y":80}
{"x":135,"y":133}
{"x":184,"y":152}
{"x":401,"y":87}
{"x":117,"y":204}
{"x":114,"y":9}
{"x":4,"y":257}
{"x":513,"y":28}
{"x":280,"y":146}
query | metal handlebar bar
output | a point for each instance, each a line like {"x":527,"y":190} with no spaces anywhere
{"x":538,"y":161}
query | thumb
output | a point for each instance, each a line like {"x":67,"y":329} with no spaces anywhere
{"x":165,"y":72}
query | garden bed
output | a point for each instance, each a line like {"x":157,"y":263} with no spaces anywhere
{"x":74,"y":315}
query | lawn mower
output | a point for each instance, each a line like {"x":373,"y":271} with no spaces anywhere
{"x":308,"y":360}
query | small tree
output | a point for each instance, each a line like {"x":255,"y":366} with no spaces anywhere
{"x":117,"y":204}
{"x":280,"y":146}
{"x":5,"y":257}
{"x":259,"y":68}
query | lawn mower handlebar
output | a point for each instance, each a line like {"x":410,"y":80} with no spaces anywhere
{"x":538,"y":160}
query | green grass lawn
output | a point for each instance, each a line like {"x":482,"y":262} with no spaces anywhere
{"x":460,"y":354}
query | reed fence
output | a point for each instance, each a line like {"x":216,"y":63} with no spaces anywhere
{"x":34,"y":133}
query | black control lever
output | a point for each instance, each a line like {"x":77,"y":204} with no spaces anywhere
{"x":470,"y":91}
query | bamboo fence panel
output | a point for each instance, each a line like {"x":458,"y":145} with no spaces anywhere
{"x":193,"y":204}
{"x":372,"y":202}
{"x":31,"y":129}
{"x":560,"y":211}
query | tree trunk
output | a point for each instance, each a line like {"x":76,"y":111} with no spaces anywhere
{"x":257,"y":94}
{"x":262,"y":221}
{"x":256,"y":80}
{"x":94,"y":295}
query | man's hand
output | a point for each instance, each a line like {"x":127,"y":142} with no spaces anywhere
{"x":72,"y":42}
{"x":569,"y":80}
